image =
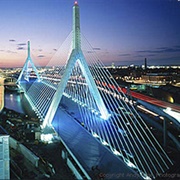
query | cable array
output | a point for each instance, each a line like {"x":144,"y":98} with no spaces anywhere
{"x":124,"y":133}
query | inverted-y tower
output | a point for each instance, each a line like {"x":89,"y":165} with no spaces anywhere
{"x":76,"y":56}
{"x":25,"y":69}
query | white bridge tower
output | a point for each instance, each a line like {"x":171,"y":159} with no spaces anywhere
{"x":76,"y":56}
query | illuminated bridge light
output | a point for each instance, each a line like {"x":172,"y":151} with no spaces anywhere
{"x":130,"y":164}
{"x":145,"y":176}
{"x":105,"y":117}
{"x":104,"y":143}
{"x":95,"y":135}
{"x":168,"y":109}
{"x":47,"y":138}
{"x":174,"y":114}
{"x":117,"y":153}
{"x":96,"y":113}
{"x":161,"y":117}
{"x":92,"y":110}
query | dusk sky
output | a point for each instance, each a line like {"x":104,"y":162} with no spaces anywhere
{"x":120,"y":31}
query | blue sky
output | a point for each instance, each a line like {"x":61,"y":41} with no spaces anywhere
{"x":121,"y":31}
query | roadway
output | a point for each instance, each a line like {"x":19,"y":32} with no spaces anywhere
{"x":151,"y":100}
{"x":88,"y":150}
{"x":136,"y":95}
{"x":1,"y":93}
{"x":65,"y":123}
{"x":88,"y":156}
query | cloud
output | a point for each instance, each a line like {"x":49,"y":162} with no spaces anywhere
{"x":8,"y":51}
{"x":139,"y":56}
{"x":20,"y":48}
{"x":149,"y":51}
{"x":11,"y":52}
{"x":169,"y":50}
{"x":12,"y":40}
{"x":178,"y":46}
{"x":144,"y":56}
{"x":94,"y":49}
{"x":41,"y":56}
{"x":97,"y":49}
{"x":21,"y":44}
{"x":162,"y":50}
{"x":129,"y":62}
{"x":151,"y":55}
{"x":124,"y":54}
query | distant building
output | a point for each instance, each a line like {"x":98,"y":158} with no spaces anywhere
{"x":158,"y":78}
{"x":4,"y":155}
{"x":145,"y":64}
{"x":112,"y":65}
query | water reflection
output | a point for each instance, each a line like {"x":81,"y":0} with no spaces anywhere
{"x":13,"y":100}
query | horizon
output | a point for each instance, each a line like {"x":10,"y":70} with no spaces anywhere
{"x":126,"y":31}
{"x":107,"y":65}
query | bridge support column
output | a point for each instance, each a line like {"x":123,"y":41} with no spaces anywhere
{"x":26,"y":66}
{"x":165,"y":132}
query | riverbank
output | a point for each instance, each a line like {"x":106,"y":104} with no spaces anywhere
{"x":23,"y":129}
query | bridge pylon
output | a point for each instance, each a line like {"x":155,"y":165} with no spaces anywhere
{"x":76,"y":56}
{"x":69,"y":96}
{"x":26,"y":68}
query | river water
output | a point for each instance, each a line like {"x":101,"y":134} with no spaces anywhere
{"x":17,"y":102}
{"x":13,"y":100}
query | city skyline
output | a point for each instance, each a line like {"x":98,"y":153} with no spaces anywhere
{"x":120,"y":31}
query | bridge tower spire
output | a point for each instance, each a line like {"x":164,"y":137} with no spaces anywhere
{"x":29,"y":49}
{"x":25,"y":70}
{"x":76,"y":56}
{"x":76,"y":27}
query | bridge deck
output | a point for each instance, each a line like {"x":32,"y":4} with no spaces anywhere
{"x":89,"y":151}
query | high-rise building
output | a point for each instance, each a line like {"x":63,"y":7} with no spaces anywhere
{"x":145,"y":64}
{"x":4,"y":155}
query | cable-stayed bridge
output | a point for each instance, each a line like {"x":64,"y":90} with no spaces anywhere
{"x":93,"y":117}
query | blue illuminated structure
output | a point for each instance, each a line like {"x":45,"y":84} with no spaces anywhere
{"x":76,"y":56}
{"x":26,"y":68}
{"x":76,"y":98}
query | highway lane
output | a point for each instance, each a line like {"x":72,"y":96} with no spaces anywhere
{"x":140,"y":96}
{"x":72,"y":110}
{"x":121,"y":141}
{"x":85,"y":147}
{"x":152,"y":100}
